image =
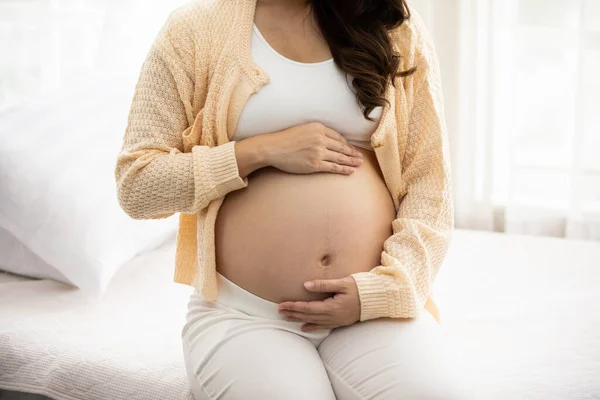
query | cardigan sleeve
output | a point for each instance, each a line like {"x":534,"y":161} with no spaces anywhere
{"x":423,"y":227}
{"x":155,"y":178}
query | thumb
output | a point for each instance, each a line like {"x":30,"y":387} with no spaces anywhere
{"x":326,"y":285}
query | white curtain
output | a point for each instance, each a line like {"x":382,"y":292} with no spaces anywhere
{"x":522,"y":92}
{"x":520,"y":78}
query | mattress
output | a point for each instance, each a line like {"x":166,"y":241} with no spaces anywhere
{"x":522,"y":311}
{"x":57,"y":342}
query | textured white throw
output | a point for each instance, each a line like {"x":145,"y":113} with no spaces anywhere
{"x":533,"y":334}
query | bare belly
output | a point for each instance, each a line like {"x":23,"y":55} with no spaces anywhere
{"x":285,"y":229}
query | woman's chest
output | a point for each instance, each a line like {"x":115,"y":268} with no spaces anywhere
{"x":230,"y":97}
{"x":299,"y":93}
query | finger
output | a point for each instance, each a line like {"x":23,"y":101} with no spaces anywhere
{"x":327,"y":285}
{"x":315,"y":318}
{"x":342,"y":159}
{"x":308,"y":307}
{"x":332,"y":133}
{"x":293,"y":319}
{"x":347,"y":148}
{"x":327,"y":166}
{"x":313,"y":327}
{"x":341,"y":147}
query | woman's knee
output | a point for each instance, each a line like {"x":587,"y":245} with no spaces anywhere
{"x":261,"y":363}
{"x":393,"y":358}
{"x":266,"y":385}
{"x":404,"y":386}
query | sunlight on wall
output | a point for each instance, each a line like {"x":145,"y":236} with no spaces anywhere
{"x":45,"y":44}
{"x":521,"y":91}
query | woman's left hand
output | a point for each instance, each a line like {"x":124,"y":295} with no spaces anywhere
{"x":339,"y":310}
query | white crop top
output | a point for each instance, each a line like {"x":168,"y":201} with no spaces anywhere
{"x":298,"y":93}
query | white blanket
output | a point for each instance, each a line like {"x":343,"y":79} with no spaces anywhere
{"x":523,"y":311}
{"x":56,"y":342}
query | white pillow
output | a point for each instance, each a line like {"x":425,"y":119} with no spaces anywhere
{"x":57,"y":186}
{"x":18,"y":259}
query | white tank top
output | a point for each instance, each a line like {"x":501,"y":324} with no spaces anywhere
{"x":298,"y":93}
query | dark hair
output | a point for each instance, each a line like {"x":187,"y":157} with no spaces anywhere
{"x":357,"y":34}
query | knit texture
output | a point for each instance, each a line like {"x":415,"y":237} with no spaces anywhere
{"x":177,"y":156}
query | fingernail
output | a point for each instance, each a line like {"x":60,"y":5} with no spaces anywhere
{"x":309,"y":285}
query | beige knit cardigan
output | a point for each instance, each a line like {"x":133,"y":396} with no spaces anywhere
{"x":177,"y":156}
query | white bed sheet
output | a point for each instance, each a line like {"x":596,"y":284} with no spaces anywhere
{"x":57,"y":342}
{"x":523,"y":311}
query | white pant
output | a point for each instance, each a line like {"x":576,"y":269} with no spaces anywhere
{"x":240,"y":347}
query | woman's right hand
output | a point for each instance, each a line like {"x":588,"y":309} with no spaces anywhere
{"x":309,"y":148}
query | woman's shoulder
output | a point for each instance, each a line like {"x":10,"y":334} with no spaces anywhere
{"x":201,"y":19}
{"x":205,"y":9}
{"x":413,"y":40}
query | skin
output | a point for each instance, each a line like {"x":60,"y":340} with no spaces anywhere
{"x":303,"y":149}
{"x":298,"y":150}
{"x":341,"y":309}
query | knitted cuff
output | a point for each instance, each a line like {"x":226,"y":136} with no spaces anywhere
{"x":374,"y":291}
{"x":223,"y":165}
{"x":216,"y":172}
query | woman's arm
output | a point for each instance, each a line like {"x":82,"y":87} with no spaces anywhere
{"x":251,"y":154}
{"x":154,"y":177}
{"x":422,"y":231}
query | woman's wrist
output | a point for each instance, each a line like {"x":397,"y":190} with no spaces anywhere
{"x":252,"y":153}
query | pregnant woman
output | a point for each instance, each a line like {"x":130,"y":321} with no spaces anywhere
{"x":301,"y":142}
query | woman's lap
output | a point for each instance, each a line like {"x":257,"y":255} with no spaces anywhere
{"x":232,"y":355}
{"x":235,"y":356}
{"x":389,"y":358}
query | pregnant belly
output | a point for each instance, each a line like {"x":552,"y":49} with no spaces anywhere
{"x":285,"y":229}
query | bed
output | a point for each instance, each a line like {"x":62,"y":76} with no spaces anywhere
{"x":523,"y":311}
{"x":57,"y":342}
